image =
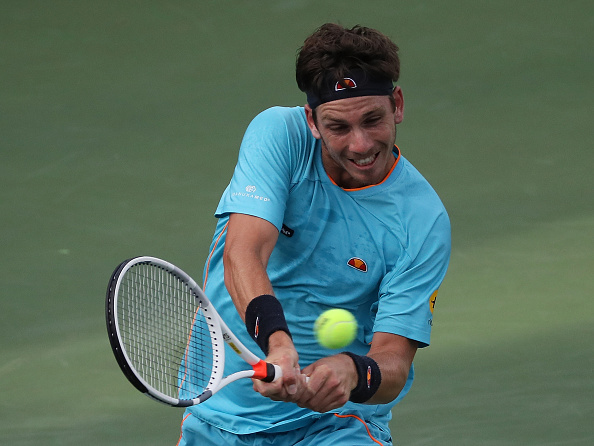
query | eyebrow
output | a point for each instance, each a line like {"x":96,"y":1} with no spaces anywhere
{"x":333,"y":119}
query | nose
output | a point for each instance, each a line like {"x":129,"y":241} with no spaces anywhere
{"x":361,"y":142}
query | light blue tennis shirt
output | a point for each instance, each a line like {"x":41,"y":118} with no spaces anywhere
{"x":380,"y":252}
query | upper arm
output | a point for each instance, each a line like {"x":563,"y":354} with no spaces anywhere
{"x":248,"y":245}
{"x":408,"y":291}
{"x":394,"y":345}
{"x":251,"y":235}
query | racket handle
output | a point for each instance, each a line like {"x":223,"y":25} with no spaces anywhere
{"x":269,"y":372}
{"x":278,"y":372}
{"x":266,"y":372}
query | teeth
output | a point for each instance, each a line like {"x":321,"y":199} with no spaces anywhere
{"x":365,"y":161}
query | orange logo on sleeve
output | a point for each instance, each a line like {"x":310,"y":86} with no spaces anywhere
{"x":432,"y":300}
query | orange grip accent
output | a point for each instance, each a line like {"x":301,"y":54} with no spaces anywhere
{"x":261,"y":370}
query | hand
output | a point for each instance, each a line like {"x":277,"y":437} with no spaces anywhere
{"x":292,"y":384}
{"x":330,"y":382}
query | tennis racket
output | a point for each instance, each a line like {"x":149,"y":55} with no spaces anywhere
{"x":167,"y":337}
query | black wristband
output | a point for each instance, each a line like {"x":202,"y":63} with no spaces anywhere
{"x":369,"y":378}
{"x":263,"y":316}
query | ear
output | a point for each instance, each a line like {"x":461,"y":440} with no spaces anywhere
{"x":399,"y":113}
{"x":311,"y":122}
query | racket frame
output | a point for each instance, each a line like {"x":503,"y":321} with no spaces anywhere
{"x":219,"y":332}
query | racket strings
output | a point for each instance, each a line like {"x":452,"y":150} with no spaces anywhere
{"x":165,"y":333}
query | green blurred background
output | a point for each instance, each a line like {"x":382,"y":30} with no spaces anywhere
{"x":119,"y":128}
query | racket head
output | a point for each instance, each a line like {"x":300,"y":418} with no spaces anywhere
{"x":164,"y":333}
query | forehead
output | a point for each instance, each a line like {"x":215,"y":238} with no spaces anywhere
{"x":353,"y":107}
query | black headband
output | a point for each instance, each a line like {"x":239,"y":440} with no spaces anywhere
{"x":355,"y":84}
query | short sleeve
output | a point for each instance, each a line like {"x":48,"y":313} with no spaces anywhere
{"x":262,"y":178}
{"x":407,"y":294}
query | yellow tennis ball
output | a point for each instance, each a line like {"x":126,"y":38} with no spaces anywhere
{"x":335,"y":328}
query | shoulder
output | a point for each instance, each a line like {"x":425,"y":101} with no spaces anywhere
{"x":280,"y":133}
{"x":410,"y":207}
{"x":421,"y":206}
{"x":278,"y":141}
{"x":291,"y":118}
{"x":418,"y":188}
{"x":279,"y":128}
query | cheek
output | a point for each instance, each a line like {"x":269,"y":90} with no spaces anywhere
{"x":388,"y":127}
{"x":387,"y":134}
{"x":330,"y":151}
{"x":338,"y":147}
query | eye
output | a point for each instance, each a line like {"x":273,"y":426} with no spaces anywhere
{"x":373,"y":120}
{"x":338,"y":128}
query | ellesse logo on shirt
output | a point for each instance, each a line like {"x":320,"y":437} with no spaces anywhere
{"x":357,"y":263}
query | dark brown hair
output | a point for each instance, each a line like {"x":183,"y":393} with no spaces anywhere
{"x":332,"y":51}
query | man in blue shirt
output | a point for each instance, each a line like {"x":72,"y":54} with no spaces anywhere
{"x":323,"y":211}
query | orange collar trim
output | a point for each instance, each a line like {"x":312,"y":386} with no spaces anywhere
{"x":371,"y":185}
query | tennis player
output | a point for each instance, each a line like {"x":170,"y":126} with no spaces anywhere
{"x":324,"y":211}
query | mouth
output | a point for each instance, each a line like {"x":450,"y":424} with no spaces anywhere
{"x":365,"y":162}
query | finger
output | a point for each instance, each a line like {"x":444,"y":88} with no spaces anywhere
{"x":303,"y":394}
{"x":331,"y":401}
{"x":273,"y":390}
{"x":327,"y":393}
{"x":290,"y":380}
{"x":282,"y":389}
{"x":315,"y":380}
{"x":298,"y":381}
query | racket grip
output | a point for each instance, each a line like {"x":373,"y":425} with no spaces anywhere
{"x":266,"y":372}
{"x":278,"y":372}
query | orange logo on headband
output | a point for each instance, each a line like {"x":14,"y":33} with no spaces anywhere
{"x":347,"y":82}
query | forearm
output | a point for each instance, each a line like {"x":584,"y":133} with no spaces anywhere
{"x":394,"y":372}
{"x":248,"y":246}
{"x":245,"y":279}
{"x":393,"y":355}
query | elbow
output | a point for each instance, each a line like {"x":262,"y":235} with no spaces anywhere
{"x":389,"y":391}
